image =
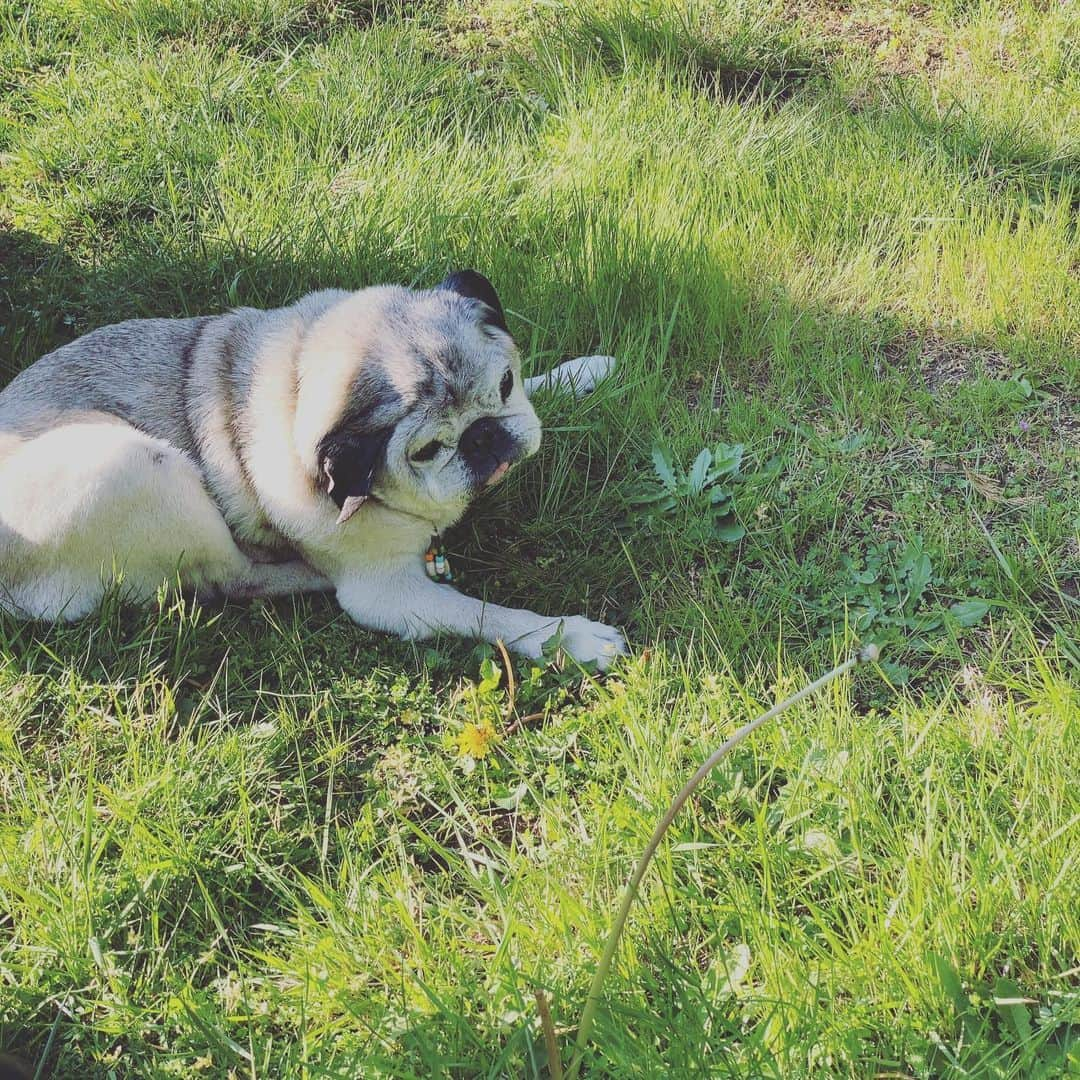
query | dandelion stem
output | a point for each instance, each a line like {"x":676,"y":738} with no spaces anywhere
{"x":869,"y":654}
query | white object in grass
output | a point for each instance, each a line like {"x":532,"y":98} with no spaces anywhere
{"x":579,"y":376}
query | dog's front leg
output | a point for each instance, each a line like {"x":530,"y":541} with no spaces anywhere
{"x":407,"y":603}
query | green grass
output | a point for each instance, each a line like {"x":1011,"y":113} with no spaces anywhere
{"x":241,"y":842}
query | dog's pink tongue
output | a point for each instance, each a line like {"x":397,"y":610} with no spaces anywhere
{"x":498,"y":474}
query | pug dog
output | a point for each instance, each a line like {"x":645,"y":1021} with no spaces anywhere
{"x":314,"y":447}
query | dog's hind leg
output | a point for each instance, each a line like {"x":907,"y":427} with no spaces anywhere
{"x":580,"y":376}
{"x":276,"y":579}
{"x":96,"y":499}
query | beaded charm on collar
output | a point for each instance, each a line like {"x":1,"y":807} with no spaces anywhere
{"x":436,"y":563}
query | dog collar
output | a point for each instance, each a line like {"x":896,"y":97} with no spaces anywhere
{"x":436,"y":563}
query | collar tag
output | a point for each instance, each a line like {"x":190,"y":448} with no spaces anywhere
{"x":436,"y":563}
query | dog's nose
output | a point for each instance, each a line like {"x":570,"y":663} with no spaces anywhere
{"x":480,"y":436}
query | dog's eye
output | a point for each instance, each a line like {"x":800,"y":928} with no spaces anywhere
{"x":507,"y":384}
{"x":428,"y":451}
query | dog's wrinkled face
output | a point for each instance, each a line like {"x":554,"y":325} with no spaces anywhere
{"x":434,"y":406}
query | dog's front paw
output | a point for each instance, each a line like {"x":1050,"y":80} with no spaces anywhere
{"x":586,"y":372}
{"x":579,"y":377}
{"x":587,"y":641}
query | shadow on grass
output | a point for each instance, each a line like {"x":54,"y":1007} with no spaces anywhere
{"x":1021,"y":171}
{"x":762,"y":62}
{"x":15,"y":1068}
{"x":257,"y":30}
{"x":570,"y":554}
{"x":425,"y":1046}
{"x":747,"y":67}
{"x":553,"y":540}
{"x":550,"y":539}
{"x":39,"y":289}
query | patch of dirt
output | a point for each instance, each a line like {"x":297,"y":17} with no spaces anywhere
{"x":259,"y":34}
{"x":773,"y":86}
{"x":1068,"y":427}
{"x":749,"y":375}
{"x":947,"y":363}
{"x":353,"y":12}
{"x":692,"y":391}
{"x":900,"y":40}
{"x":1026,"y":459}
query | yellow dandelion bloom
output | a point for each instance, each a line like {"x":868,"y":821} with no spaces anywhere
{"x":476,"y":740}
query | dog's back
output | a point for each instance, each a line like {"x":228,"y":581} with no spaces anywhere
{"x":133,"y":371}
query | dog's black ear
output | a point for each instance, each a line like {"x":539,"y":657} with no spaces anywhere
{"x":349,"y":461}
{"x":477,"y":287}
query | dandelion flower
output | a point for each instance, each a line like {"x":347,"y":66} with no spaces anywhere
{"x":476,"y":740}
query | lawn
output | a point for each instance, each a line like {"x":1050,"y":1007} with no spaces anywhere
{"x":837,"y":246}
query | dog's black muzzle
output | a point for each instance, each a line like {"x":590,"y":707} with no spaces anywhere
{"x":489,"y":450}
